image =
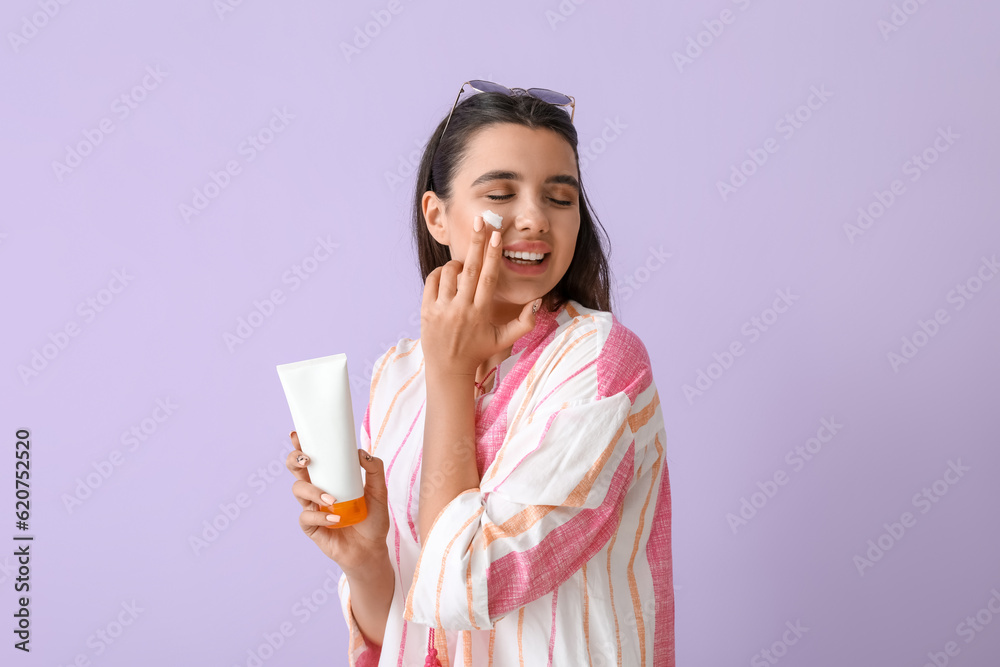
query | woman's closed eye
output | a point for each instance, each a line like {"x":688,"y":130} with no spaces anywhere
{"x":561,"y":202}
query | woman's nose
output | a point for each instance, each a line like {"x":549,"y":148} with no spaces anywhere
{"x":532,"y":216}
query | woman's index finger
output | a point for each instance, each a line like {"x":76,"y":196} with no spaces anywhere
{"x":293,"y":458}
{"x":490,"y":275}
{"x":473,"y":265}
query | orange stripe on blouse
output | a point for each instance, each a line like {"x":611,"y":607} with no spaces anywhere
{"x":568,"y":349}
{"x":611,"y":584}
{"x":467,"y":647}
{"x":633,"y":586}
{"x":444,"y":561}
{"x":388,"y":411}
{"x":441,"y":644}
{"x":376,"y":378}
{"x":586,"y":614}
{"x":532,"y":514}
{"x":578,"y":496}
{"x":530,"y":383}
{"x":468,"y":589}
{"x":520,"y":628}
{"x":640,"y":418}
{"x":408,"y":609}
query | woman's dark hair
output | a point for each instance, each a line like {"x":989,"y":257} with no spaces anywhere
{"x":586,"y":279}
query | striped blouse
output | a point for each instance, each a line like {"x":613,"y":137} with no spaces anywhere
{"x":562,"y":555}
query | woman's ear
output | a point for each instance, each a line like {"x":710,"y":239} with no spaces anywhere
{"x":435,"y":217}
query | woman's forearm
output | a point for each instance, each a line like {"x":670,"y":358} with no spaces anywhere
{"x":371,"y":597}
{"x":448,"y":466}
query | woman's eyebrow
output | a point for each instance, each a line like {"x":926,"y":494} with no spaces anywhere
{"x":502,"y":175}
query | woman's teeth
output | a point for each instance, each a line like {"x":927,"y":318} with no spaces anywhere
{"x":524,"y":257}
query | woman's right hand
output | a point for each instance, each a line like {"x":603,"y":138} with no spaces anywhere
{"x":351,"y":547}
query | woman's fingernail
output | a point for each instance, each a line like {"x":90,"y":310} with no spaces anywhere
{"x":291,"y":433}
{"x":332,"y":517}
{"x":495,"y":239}
{"x":302,"y":459}
{"x":477,"y":223}
{"x":328,"y":499}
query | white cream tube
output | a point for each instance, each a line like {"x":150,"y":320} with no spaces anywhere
{"x":319,"y":396}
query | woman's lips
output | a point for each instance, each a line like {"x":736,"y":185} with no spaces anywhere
{"x":528,"y":269}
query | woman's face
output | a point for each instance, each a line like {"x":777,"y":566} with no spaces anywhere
{"x":528,"y":176}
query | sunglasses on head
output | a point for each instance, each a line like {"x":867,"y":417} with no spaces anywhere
{"x":544,"y":94}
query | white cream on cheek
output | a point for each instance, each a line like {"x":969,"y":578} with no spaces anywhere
{"x":491,"y":218}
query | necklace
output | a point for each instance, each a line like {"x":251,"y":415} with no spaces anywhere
{"x":479,"y":385}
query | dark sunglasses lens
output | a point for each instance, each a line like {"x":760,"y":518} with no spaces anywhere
{"x":550,"y":96}
{"x":489,"y":87}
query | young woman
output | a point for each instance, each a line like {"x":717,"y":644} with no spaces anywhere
{"x":522,"y":516}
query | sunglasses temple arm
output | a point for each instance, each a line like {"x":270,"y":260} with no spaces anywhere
{"x":460,"y":91}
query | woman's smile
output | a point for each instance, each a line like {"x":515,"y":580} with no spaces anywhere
{"x":529,"y":258}
{"x":526,"y":267}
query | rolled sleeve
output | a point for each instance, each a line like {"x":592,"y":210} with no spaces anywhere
{"x":548,"y":503}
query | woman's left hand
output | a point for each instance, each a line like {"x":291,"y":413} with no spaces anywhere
{"x":456,"y":333}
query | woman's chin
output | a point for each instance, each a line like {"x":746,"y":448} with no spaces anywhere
{"x":516,"y":300}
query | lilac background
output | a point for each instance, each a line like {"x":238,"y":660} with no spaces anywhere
{"x":338,"y":170}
